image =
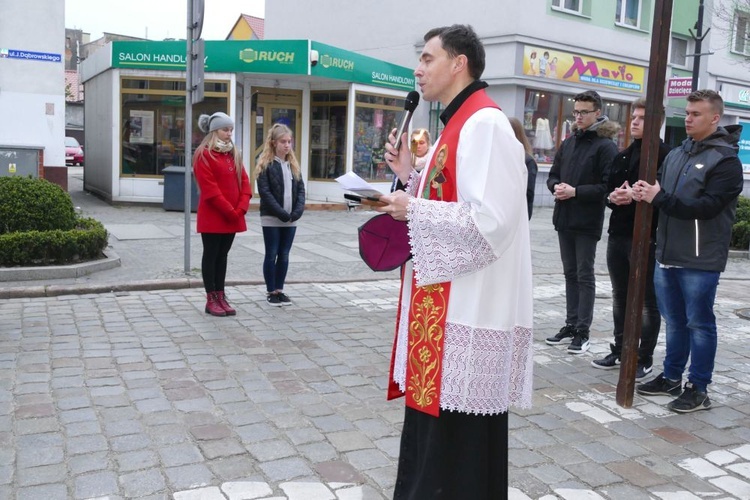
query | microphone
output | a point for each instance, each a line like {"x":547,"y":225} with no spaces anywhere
{"x":410,"y":104}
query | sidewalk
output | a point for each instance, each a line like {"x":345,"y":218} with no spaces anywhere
{"x":140,"y":394}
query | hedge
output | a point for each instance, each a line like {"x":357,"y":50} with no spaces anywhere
{"x":86,"y":241}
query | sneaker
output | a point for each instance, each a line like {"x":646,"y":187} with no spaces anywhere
{"x":608,"y":362}
{"x":580,"y":343}
{"x":273,"y":299}
{"x":565,"y":332}
{"x":642,"y":371}
{"x":660,"y":386}
{"x":285,"y":301}
{"x":690,"y":400}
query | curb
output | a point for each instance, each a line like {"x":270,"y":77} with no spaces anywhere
{"x":140,"y":286}
{"x":30,"y":273}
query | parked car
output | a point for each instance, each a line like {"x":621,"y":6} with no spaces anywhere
{"x":73,"y":152}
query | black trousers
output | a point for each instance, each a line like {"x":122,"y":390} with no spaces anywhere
{"x":453,"y":457}
{"x":216,"y":247}
{"x":577,"y":252}
{"x":618,"y":264}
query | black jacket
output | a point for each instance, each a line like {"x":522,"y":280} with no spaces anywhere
{"x":625,"y":167}
{"x":697,"y":201}
{"x":271,"y":191}
{"x":583,"y":161}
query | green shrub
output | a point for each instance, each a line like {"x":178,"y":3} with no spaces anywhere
{"x":28,"y":204}
{"x":85,"y":241}
{"x":741,"y":228}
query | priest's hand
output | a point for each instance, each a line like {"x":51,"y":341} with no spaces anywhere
{"x":399,"y":161}
{"x":397,"y":202}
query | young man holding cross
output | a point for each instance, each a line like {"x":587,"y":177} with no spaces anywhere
{"x":696,"y":198}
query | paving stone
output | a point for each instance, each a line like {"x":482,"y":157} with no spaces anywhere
{"x":45,"y":491}
{"x":97,"y":484}
{"x":180,"y":454}
{"x":139,"y":484}
{"x":88,"y":463}
{"x":222,"y":448}
{"x":188,"y":476}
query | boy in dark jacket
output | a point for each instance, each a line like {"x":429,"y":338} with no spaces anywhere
{"x":623,"y":175}
{"x":578,"y":181}
{"x":697,"y":199}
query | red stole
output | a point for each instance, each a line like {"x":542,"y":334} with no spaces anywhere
{"x":428,"y":305}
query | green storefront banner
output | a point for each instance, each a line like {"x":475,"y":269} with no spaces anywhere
{"x":288,"y":57}
{"x":342,"y":64}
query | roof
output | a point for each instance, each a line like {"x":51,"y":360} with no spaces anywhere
{"x":256,"y":24}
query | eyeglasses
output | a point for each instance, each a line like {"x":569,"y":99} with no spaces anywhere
{"x":583,"y":113}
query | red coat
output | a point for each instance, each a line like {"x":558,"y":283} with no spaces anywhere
{"x":223,"y":202}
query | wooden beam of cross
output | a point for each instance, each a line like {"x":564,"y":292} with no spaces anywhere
{"x":660,"y":36}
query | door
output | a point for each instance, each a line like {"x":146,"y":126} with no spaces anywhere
{"x":272,"y":106}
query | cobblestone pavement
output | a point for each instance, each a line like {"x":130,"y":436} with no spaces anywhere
{"x":140,"y":394}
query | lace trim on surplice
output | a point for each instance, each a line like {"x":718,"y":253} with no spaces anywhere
{"x":445,"y":241}
{"x":486,"y":371}
{"x":412,"y":185}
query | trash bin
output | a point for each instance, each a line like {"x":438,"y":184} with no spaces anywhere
{"x":174,"y":190}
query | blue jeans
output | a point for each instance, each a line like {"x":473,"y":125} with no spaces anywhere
{"x":686,"y":301}
{"x":577,"y":252}
{"x":278,"y":242}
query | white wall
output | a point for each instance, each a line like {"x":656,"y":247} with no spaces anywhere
{"x":33,"y":92}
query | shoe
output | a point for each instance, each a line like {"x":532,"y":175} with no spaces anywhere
{"x":608,"y":362}
{"x":273,"y":299}
{"x":224,"y":304}
{"x":565,"y":332}
{"x":213,"y":307}
{"x":580,"y":343}
{"x":660,"y":386}
{"x":690,"y":400}
{"x":285,"y":301}
{"x":642,"y":371}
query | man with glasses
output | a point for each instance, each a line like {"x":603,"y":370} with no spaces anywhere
{"x":578,"y":181}
{"x":697,"y":199}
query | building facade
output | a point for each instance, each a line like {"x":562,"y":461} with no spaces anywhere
{"x":541,"y":53}
{"x":32,"y":90}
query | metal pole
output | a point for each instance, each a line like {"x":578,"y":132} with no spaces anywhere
{"x":698,"y":43}
{"x":188,"y":132}
{"x":642,"y":228}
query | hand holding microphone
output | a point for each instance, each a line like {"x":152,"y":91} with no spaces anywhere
{"x":398,"y":158}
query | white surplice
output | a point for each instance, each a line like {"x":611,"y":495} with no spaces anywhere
{"x":481,"y":245}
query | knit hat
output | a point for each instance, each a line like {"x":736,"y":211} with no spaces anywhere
{"x":214,"y":122}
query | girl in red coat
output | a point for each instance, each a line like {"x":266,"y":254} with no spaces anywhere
{"x":225,"y":194}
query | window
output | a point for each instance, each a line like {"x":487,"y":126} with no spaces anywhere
{"x":574,"y":5}
{"x":741,"y":32}
{"x":678,"y":52}
{"x":628,"y":13}
{"x":153,"y":122}
{"x":328,"y":134}
{"x":374,"y":117}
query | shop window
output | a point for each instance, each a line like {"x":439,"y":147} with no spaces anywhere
{"x":328,"y":134}
{"x":375,"y":117}
{"x":628,"y":13}
{"x":548,"y":120}
{"x":741,"y":32}
{"x":153,"y":123}
{"x":543,"y":124}
{"x":678,"y":50}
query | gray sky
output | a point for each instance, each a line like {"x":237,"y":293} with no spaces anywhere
{"x":159,"y":18}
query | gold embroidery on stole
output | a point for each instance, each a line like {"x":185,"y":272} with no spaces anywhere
{"x":425,"y":344}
